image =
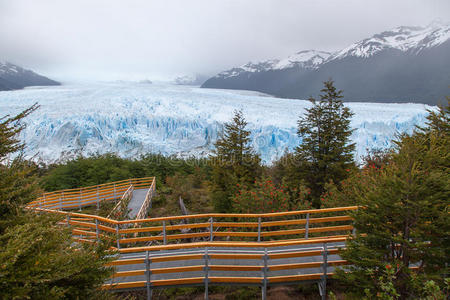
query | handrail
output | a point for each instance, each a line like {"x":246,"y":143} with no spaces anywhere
{"x":202,"y":262}
{"x":101,"y":185}
{"x":268,"y":244}
{"x":128,"y":193}
{"x":147,"y":201}
{"x":209,"y":215}
{"x":205,"y":230}
{"x":93,"y":195}
{"x":228,"y":215}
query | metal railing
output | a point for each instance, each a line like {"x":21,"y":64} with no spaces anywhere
{"x":87,"y":196}
{"x":259,"y":267}
{"x":122,"y":201}
{"x":147,"y":204}
{"x":304,"y":224}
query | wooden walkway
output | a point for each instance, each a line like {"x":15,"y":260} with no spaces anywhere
{"x":135,"y":204}
{"x":210,"y":249}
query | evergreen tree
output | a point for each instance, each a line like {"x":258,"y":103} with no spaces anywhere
{"x":235,"y":163}
{"x":325,"y":153}
{"x":17,"y":183}
{"x":405,"y":220}
{"x":38,"y":260}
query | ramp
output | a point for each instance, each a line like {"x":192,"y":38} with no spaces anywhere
{"x":136,"y":202}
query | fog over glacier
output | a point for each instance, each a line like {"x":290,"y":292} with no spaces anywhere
{"x":136,"y":118}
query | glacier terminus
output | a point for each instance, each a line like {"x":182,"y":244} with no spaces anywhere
{"x":131,"y":119}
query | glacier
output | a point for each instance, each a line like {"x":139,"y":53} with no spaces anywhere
{"x":131,"y":119}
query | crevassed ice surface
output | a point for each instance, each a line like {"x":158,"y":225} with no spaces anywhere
{"x":132,"y":119}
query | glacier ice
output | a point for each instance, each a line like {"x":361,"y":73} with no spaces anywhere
{"x":132,"y":119}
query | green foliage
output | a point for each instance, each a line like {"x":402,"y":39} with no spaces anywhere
{"x":98,"y":169}
{"x":17,"y":181}
{"x":325,"y":152}
{"x":18,"y":186}
{"x":192,"y":188}
{"x":405,"y":219}
{"x":83,"y":171}
{"x":39,"y":261}
{"x":432,"y":291}
{"x":10,"y":128}
{"x":267,"y":197}
{"x":386,"y":289}
{"x":234,"y":163}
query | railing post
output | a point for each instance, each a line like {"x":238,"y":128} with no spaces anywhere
{"x":60,"y":201}
{"x":114,"y":191}
{"x":79,"y":200}
{"x":323,"y":281}
{"x":211,"y":229}
{"x":259,"y":229}
{"x":164,"y":233}
{"x":307,"y":226}
{"x":68,"y":220}
{"x":148,"y":274}
{"x":98,"y":200}
{"x":118,"y":236}
{"x":206,"y":273}
{"x":96,"y":229}
{"x":265,"y":269}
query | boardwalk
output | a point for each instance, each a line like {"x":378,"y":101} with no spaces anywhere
{"x":136,"y":202}
{"x":221,"y":267}
{"x":205,"y":249}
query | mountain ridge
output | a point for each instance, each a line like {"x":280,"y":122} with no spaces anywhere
{"x":14,"y":77}
{"x":367,"y":70}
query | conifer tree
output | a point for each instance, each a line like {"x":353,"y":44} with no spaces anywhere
{"x":404,"y":220}
{"x":325,"y":153}
{"x":39,"y":260}
{"x":17,"y":183}
{"x":235,"y":162}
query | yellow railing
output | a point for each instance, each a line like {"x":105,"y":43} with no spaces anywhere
{"x":255,"y":236}
{"x":147,"y":201}
{"x":87,"y":196}
{"x":120,"y":205}
{"x":264,"y":261}
{"x":302,"y":224}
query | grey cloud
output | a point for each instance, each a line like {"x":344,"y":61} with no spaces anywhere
{"x":108,"y":39}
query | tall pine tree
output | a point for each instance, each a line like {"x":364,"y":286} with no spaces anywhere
{"x":235,"y":163}
{"x":405,"y":219}
{"x":325,"y":153}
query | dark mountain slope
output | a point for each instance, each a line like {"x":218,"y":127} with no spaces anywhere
{"x":13,"y":77}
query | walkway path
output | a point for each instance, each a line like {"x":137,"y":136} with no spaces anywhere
{"x":277,"y":265}
{"x":136,"y":201}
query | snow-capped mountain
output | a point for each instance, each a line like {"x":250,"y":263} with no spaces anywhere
{"x":13,"y":77}
{"x":131,"y":119}
{"x":308,"y":59}
{"x":403,"y":38}
{"x":405,"y":64}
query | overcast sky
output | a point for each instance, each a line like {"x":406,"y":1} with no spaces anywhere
{"x":136,"y":39}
